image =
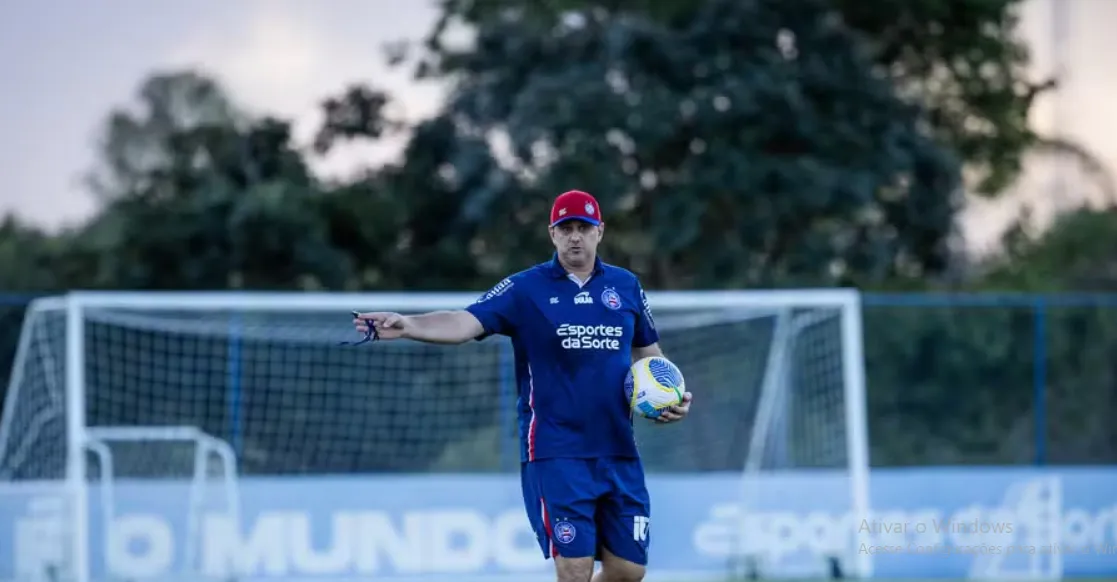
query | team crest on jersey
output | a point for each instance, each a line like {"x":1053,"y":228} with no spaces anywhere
{"x":564,"y":532}
{"x":611,"y":299}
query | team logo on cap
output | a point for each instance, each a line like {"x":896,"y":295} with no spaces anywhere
{"x":589,"y":208}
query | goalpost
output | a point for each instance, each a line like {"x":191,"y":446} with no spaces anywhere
{"x":116,"y":396}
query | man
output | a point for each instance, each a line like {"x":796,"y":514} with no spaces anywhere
{"x":576,"y":326}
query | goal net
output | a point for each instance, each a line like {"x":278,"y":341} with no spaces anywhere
{"x":145,"y":434}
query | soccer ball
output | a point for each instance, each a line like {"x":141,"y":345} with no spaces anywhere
{"x":653,"y":384}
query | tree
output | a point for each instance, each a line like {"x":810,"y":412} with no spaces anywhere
{"x":965,"y":62}
{"x":962,"y":60}
{"x":955,"y":384}
{"x":26,"y":257}
{"x":414,"y":223}
{"x":140,"y":141}
{"x":731,"y":143}
{"x":199,"y":196}
{"x":1075,"y":254}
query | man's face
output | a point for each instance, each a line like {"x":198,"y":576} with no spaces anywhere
{"x":576,"y":241}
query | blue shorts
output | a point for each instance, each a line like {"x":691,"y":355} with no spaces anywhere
{"x":579,"y":506}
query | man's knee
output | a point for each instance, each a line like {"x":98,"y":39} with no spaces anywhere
{"x":574,"y":569}
{"x":615,"y":569}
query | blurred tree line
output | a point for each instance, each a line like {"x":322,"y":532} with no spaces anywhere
{"x":731,"y":143}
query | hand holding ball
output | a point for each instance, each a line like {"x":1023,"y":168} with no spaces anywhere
{"x":654,"y":385}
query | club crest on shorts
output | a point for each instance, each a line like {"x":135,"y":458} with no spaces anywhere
{"x":564,"y":532}
{"x":611,"y":299}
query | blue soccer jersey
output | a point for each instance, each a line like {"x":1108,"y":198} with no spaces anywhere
{"x":573,"y":346}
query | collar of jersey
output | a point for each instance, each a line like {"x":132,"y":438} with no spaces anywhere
{"x":559,"y":272}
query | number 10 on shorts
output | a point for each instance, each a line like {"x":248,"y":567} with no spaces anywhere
{"x":640,"y":528}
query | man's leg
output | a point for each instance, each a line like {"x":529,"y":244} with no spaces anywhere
{"x":624,"y":524}
{"x":560,"y":496}
{"x":574,"y":569}
{"x":615,"y":569}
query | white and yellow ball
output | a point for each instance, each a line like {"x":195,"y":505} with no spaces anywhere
{"x":653,"y":384}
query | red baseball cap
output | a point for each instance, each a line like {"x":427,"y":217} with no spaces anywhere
{"x":575,"y":205}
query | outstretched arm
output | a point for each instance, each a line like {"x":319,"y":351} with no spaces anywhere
{"x":437,"y":327}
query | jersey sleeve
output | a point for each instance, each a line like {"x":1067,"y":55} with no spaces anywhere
{"x":496,"y":309}
{"x":645,"y":332}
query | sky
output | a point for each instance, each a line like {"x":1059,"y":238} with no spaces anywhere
{"x":66,"y":63}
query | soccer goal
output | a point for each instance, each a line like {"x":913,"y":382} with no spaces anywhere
{"x":134,"y":422}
